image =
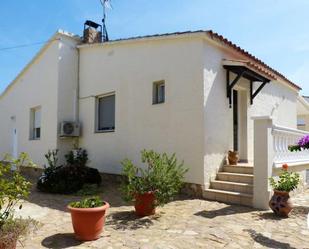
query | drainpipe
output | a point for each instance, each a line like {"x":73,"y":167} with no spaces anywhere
{"x":76,"y":116}
{"x":76,"y":104}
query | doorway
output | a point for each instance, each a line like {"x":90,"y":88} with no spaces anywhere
{"x":14,"y":138}
{"x":240,"y":129}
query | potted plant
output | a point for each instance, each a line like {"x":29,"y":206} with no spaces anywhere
{"x":233,"y":157}
{"x":280,"y":202}
{"x":88,"y":217}
{"x":13,"y":188}
{"x":154,"y":185}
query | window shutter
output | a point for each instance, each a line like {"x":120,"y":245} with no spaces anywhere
{"x":37,"y":118}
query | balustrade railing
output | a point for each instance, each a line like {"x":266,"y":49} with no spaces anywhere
{"x":283,"y":137}
{"x":271,"y":150}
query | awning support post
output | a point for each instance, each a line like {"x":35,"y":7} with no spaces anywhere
{"x":253,"y":95}
{"x":251,"y":92}
{"x":230,"y":86}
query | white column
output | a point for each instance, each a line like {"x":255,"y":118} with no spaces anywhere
{"x":263,"y":161}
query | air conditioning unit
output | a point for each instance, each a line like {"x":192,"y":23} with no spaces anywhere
{"x":69,"y":129}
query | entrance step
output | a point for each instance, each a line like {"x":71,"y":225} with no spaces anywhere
{"x":235,"y":177}
{"x":232,"y":186}
{"x":229,"y":197}
{"x":242,"y":169}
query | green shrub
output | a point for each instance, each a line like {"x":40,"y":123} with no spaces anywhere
{"x":52,"y":158}
{"x":163,"y":175}
{"x":89,"y":189}
{"x":77,"y":157}
{"x":91,"y":202}
{"x":69,"y":178}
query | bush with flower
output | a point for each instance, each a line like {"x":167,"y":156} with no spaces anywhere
{"x":303,"y":143}
{"x":287,"y":181}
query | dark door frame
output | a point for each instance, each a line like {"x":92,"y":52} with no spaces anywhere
{"x":235,"y":121}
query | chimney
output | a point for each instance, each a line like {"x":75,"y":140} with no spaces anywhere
{"x":92,"y":32}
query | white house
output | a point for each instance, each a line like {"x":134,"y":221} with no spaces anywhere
{"x":303,"y":113}
{"x":192,"y":93}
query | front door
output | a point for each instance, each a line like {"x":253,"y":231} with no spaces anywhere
{"x":14,"y":141}
{"x":240,"y":123}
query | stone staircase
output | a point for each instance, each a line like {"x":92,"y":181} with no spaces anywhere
{"x":232,"y":185}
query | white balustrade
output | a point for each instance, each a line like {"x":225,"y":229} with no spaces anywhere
{"x":271,"y":150}
{"x":283,"y":137}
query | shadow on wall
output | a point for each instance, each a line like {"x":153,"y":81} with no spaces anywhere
{"x":267,"y":242}
{"x":276,"y":98}
{"x":217,"y":119}
{"x":216,"y":114}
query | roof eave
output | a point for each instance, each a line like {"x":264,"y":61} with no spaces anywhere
{"x":223,"y":42}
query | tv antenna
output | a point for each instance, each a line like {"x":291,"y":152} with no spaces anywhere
{"x":106,"y":4}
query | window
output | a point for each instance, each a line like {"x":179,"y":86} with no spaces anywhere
{"x":301,"y":122}
{"x":158,"y":92}
{"x":105,"y":113}
{"x":35,"y":123}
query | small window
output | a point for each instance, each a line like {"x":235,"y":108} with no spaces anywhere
{"x":105,"y":113}
{"x":301,"y":122}
{"x":35,"y":123}
{"x":158,"y":92}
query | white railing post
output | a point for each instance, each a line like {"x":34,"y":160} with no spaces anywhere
{"x":263,"y":161}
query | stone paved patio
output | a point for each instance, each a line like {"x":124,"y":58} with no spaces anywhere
{"x":185,"y":223}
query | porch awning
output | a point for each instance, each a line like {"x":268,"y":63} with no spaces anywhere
{"x":248,"y":70}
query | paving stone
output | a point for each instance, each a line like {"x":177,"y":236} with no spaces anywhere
{"x":181,"y":224}
{"x":188,"y":232}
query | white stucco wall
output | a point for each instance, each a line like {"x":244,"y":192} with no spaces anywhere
{"x":67,"y":91}
{"x":36,"y":87}
{"x":129,"y":70}
{"x":276,"y":100}
{"x":49,"y":81}
{"x":218,"y":137}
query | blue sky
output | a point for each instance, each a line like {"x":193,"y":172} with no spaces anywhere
{"x":275,"y":31}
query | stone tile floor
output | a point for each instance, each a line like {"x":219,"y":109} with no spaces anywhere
{"x":184,"y":223}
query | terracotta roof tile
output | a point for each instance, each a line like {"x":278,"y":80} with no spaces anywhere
{"x":255,"y":62}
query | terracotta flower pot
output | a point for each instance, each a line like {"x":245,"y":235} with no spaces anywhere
{"x":88,"y":223}
{"x":281,"y":203}
{"x":233,"y":157}
{"x":145,"y":204}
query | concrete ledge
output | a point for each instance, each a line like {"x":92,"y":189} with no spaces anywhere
{"x":31,"y":173}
